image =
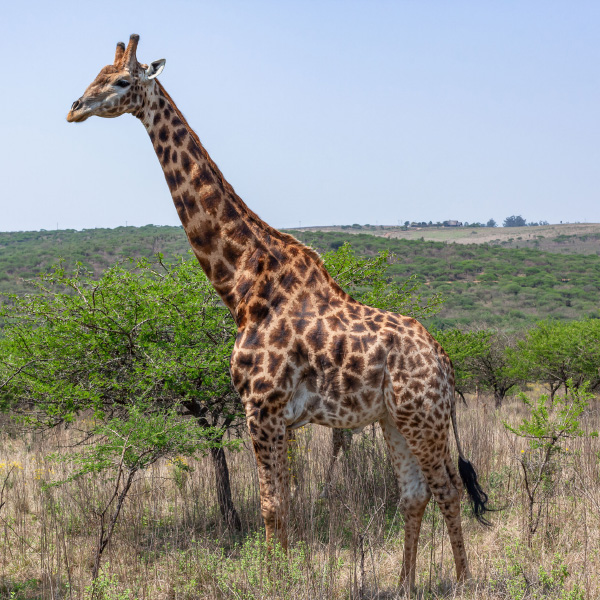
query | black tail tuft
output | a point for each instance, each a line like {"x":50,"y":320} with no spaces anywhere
{"x":477,"y":496}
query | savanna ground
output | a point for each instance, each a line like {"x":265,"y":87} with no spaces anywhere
{"x":170,"y":542}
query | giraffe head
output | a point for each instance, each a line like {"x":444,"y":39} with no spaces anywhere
{"x":119,"y":88}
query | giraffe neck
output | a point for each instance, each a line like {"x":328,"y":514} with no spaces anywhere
{"x":228,"y":239}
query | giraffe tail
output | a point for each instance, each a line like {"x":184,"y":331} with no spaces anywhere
{"x":478,"y":498}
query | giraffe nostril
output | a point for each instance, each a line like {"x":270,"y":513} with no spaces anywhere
{"x":75,"y":104}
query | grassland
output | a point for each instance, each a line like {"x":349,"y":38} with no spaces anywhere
{"x":170,"y":543}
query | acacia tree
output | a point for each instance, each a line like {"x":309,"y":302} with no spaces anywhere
{"x":152,"y":334}
{"x":482,"y":359}
{"x":366,"y":280}
{"x":514,"y":221}
{"x":555,"y":352}
{"x":492,"y":367}
{"x":144,"y":334}
{"x":464,"y":348}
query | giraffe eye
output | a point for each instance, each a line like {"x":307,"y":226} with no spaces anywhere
{"x":123,"y":83}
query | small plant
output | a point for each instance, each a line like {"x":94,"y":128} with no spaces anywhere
{"x":105,"y":587}
{"x":550,"y":424}
{"x":180,"y":469}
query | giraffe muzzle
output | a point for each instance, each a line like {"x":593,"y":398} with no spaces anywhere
{"x":78,"y":112}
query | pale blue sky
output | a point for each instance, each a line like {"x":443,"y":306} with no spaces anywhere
{"x":317,"y":112}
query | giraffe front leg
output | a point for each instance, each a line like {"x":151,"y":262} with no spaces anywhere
{"x":269,"y":439}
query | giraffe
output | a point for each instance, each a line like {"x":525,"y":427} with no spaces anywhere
{"x":305,"y":351}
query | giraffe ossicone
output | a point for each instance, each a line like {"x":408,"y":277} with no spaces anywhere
{"x":305,"y":351}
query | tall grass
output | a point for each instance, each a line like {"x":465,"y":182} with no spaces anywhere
{"x":170,"y":542}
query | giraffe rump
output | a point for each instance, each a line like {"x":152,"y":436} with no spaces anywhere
{"x":478,"y":498}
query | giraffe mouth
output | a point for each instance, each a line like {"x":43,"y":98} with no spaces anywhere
{"x":78,"y":116}
{"x":81,"y":110}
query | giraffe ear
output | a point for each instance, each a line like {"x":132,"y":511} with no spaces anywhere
{"x":155,"y":68}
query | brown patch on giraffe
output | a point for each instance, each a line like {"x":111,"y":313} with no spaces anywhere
{"x":258,"y":311}
{"x":180,"y":210}
{"x":302,"y":313}
{"x":281,"y":335}
{"x":201,"y":177}
{"x":163,"y":134}
{"x":232,"y":252}
{"x":314,"y":279}
{"x":278,"y":303}
{"x":174,"y":179}
{"x":324,"y":362}
{"x":338,"y":349}
{"x":166,"y":157}
{"x":189,"y":204}
{"x":204,"y":263}
{"x":286,"y":379}
{"x":261,"y":385}
{"x":186,"y":163}
{"x":253,"y":339}
{"x":179,"y":136}
{"x":229,"y":212}
{"x":355,"y":363}
{"x":354,"y":311}
{"x":298,"y":353}
{"x":274,"y":363}
{"x":289,"y":282}
{"x":241,"y":234}
{"x":265,"y":288}
{"x":221,"y":273}
{"x":316,"y":336}
{"x":338,"y":322}
{"x":326,"y":301}
{"x":205,"y":236}
{"x":362,"y":343}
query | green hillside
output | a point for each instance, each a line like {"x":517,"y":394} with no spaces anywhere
{"x":487,"y":284}
{"x":25,"y":254}
{"x":483,"y":283}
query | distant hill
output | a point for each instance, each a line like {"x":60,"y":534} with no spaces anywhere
{"x":575,"y":238}
{"x":484,"y":283}
{"x":25,"y":254}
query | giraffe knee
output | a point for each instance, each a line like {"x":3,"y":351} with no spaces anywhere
{"x":414,"y":499}
{"x":448,"y":498}
{"x":272,"y":514}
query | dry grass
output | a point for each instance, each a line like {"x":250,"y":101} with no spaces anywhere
{"x":170,"y":542}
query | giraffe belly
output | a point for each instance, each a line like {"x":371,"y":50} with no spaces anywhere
{"x":352,"y":411}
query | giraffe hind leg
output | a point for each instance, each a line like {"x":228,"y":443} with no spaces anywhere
{"x":436,"y":464}
{"x":414,"y":496}
{"x":341,"y":439}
